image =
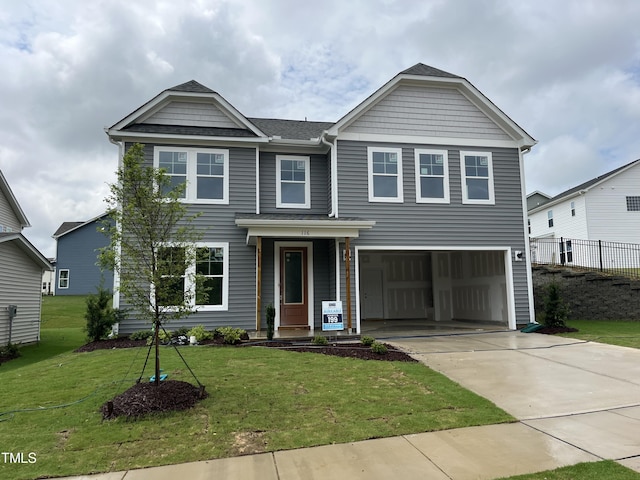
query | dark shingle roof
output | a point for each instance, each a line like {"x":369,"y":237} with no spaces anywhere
{"x":427,"y":71}
{"x":189,"y":130}
{"x":291,"y":129}
{"x":191,"y":86}
{"x":65,"y":227}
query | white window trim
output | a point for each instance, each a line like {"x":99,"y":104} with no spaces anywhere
{"x":60,"y":278}
{"x":190,"y":272}
{"x":192,"y":172}
{"x":445,"y":178}
{"x":399,"y":178}
{"x":465,"y":197}
{"x":307,"y":182}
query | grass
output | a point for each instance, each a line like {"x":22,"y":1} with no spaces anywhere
{"x":620,"y":332}
{"x":607,"y":469}
{"x":282,"y":400}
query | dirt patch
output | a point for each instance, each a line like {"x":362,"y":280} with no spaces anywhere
{"x":248,"y":443}
{"x":145,"y":398}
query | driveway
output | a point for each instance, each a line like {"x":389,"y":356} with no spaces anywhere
{"x":585,"y":394}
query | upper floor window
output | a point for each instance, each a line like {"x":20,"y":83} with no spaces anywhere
{"x":432,"y":176}
{"x":573,"y":209}
{"x":385,"y":174}
{"x":477,"y":177}
{"x":204,"y":170}
{"x":550,"y":218}
{"x":633,"y":204}
{"x":292,"y":182}
{"x":63,"y":279}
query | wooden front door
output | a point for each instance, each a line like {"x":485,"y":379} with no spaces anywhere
{"x":294,"y":296}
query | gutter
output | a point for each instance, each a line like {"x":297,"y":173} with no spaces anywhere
{"x":334,"y":174}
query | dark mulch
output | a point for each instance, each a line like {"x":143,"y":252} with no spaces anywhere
{"x":6,"y":356}
{"x":349,"y":350}
{"x":554,"y":330}
{"x":118,"y":342}
{"x":145,"y":398}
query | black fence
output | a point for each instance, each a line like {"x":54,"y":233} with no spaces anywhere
{"x":608,"y":257}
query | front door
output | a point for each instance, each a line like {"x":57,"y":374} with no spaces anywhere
{"x":294,"y":312}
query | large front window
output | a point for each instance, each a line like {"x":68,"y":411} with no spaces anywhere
{"x":292,"y":189}
{"x":477,"y":177}
{"x":210,"y":265}
{"x":385,"y":174}
{"x":432,"y":176}
{"x":205,"y":171}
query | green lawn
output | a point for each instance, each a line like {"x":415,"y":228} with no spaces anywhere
{"x":605,"y":470}
{"x":623,"y":333}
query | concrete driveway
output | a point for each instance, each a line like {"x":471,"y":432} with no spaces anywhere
{"x":583,"y":393}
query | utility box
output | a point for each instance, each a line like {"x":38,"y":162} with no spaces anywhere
{"x":13,"y":310}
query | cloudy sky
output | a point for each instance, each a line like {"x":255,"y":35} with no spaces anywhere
{"x":566,"y":71}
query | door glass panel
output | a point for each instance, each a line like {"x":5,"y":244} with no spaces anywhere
{"x":293,"y":278}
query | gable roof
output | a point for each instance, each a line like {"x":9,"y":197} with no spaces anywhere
{"x":191,"y":86}
{"x":13,"y":201}
{"x":427,"y":71}
{"x":68,"y":227}
{"x":291,"y":129}
{"x":23,"y":244}
{"x":586,"y":186}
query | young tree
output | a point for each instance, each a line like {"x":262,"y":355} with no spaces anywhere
{"x":152,"y":244}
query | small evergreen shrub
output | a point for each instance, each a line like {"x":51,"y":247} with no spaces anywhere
{"x":271,"y":318}
{"x":555,"y":310}
{"x":10,"y":350}
{"x":100,"y":316}
{"x":231,"y":335}
{"x":141,"y":335}
{"x":200,"y":333}
{"x":367,"y":341}
{"x":320,"y":340}
{"x":379,"y":348}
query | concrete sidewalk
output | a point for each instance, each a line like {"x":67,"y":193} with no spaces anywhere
{"x":577,"y":402}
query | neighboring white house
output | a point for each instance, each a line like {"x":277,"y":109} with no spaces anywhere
{"x":49,"y":279}
{"x":605,"y":208}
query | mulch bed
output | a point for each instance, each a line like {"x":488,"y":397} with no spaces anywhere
{"x":145,"y":398}
{"x":119,"y":342}
{"x":348,"y":350}
{"x":554,"y":330}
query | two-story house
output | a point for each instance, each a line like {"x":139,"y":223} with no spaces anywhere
{"x":411,"y":206}
{"x":77,"y":247}
{"x":21,"y":269}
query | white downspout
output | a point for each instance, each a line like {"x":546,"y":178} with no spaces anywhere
{"x":334,"y":175}
{"x":527,"y":249}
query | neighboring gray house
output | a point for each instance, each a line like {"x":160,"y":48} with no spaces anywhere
{"x":77,"y":248}
{"x":411,"y":206}
{"x":21,"y":268}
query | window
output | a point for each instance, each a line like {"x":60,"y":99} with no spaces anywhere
{"x":204,"y":170}
{"x":633,"y":204}
{"x":573,"y":209}
{"x":385,"y":174}
{"x":529,"y":226}
{"x":211,"y":262}
{"x":63,"y":279}
{"x":477,"y":177}
{"x":432,"y":176}
{"x":292,"y":182}
{"x":550,"y":218}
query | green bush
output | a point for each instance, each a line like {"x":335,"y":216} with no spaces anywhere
{"x":231,"y":335}
{"x":555,"y":310}
{"x":100,"y":316}
{"x":181,"y":332}
{"x":200,"y":333}
{"x":367,"y":341}
{"x":141,"y":335}
{"x":164,"y":337}
{"x":379,"y":348}
{"x":320,"y":340}
{"x":271,"y":318}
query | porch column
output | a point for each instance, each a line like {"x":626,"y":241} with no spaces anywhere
{"x":347,"y":266}
{"x":258,"y":281}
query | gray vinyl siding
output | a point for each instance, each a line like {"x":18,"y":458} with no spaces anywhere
{"x":77,"y":251}
{"x":319,"y":187}
{"x":427,"y":111}
{"x":7,"y":216}
{"x":191,"y":114}
{"x":217,"y":222}
{"x":438,"y":225}
{"x":20,"y":284}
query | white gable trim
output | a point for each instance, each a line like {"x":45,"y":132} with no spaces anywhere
{"x":421,"y":140}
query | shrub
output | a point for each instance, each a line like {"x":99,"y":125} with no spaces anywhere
{"x":200,"y":333}
{"x":10,"y":350}
{"x":379,"y":348}
{"x":555,"y":310}
{"x":100,"y":316}
{"x":141,"y":335}
{"x":367,"y":341}
{"x":320,"y":340}
{"x":182,"y":331}
{"x":164,"y":337}
{"x":271,"y":318}
{"x":231,"y":335}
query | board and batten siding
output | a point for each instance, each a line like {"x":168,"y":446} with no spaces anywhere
{"x":319,"y":186}
{"x":427,"y":111}
{"x":217,"y":224}
{"x":191,"y":114}
{"x":455,"y":224}
{"x":20,"y":284}
{"x":8,"y":217}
